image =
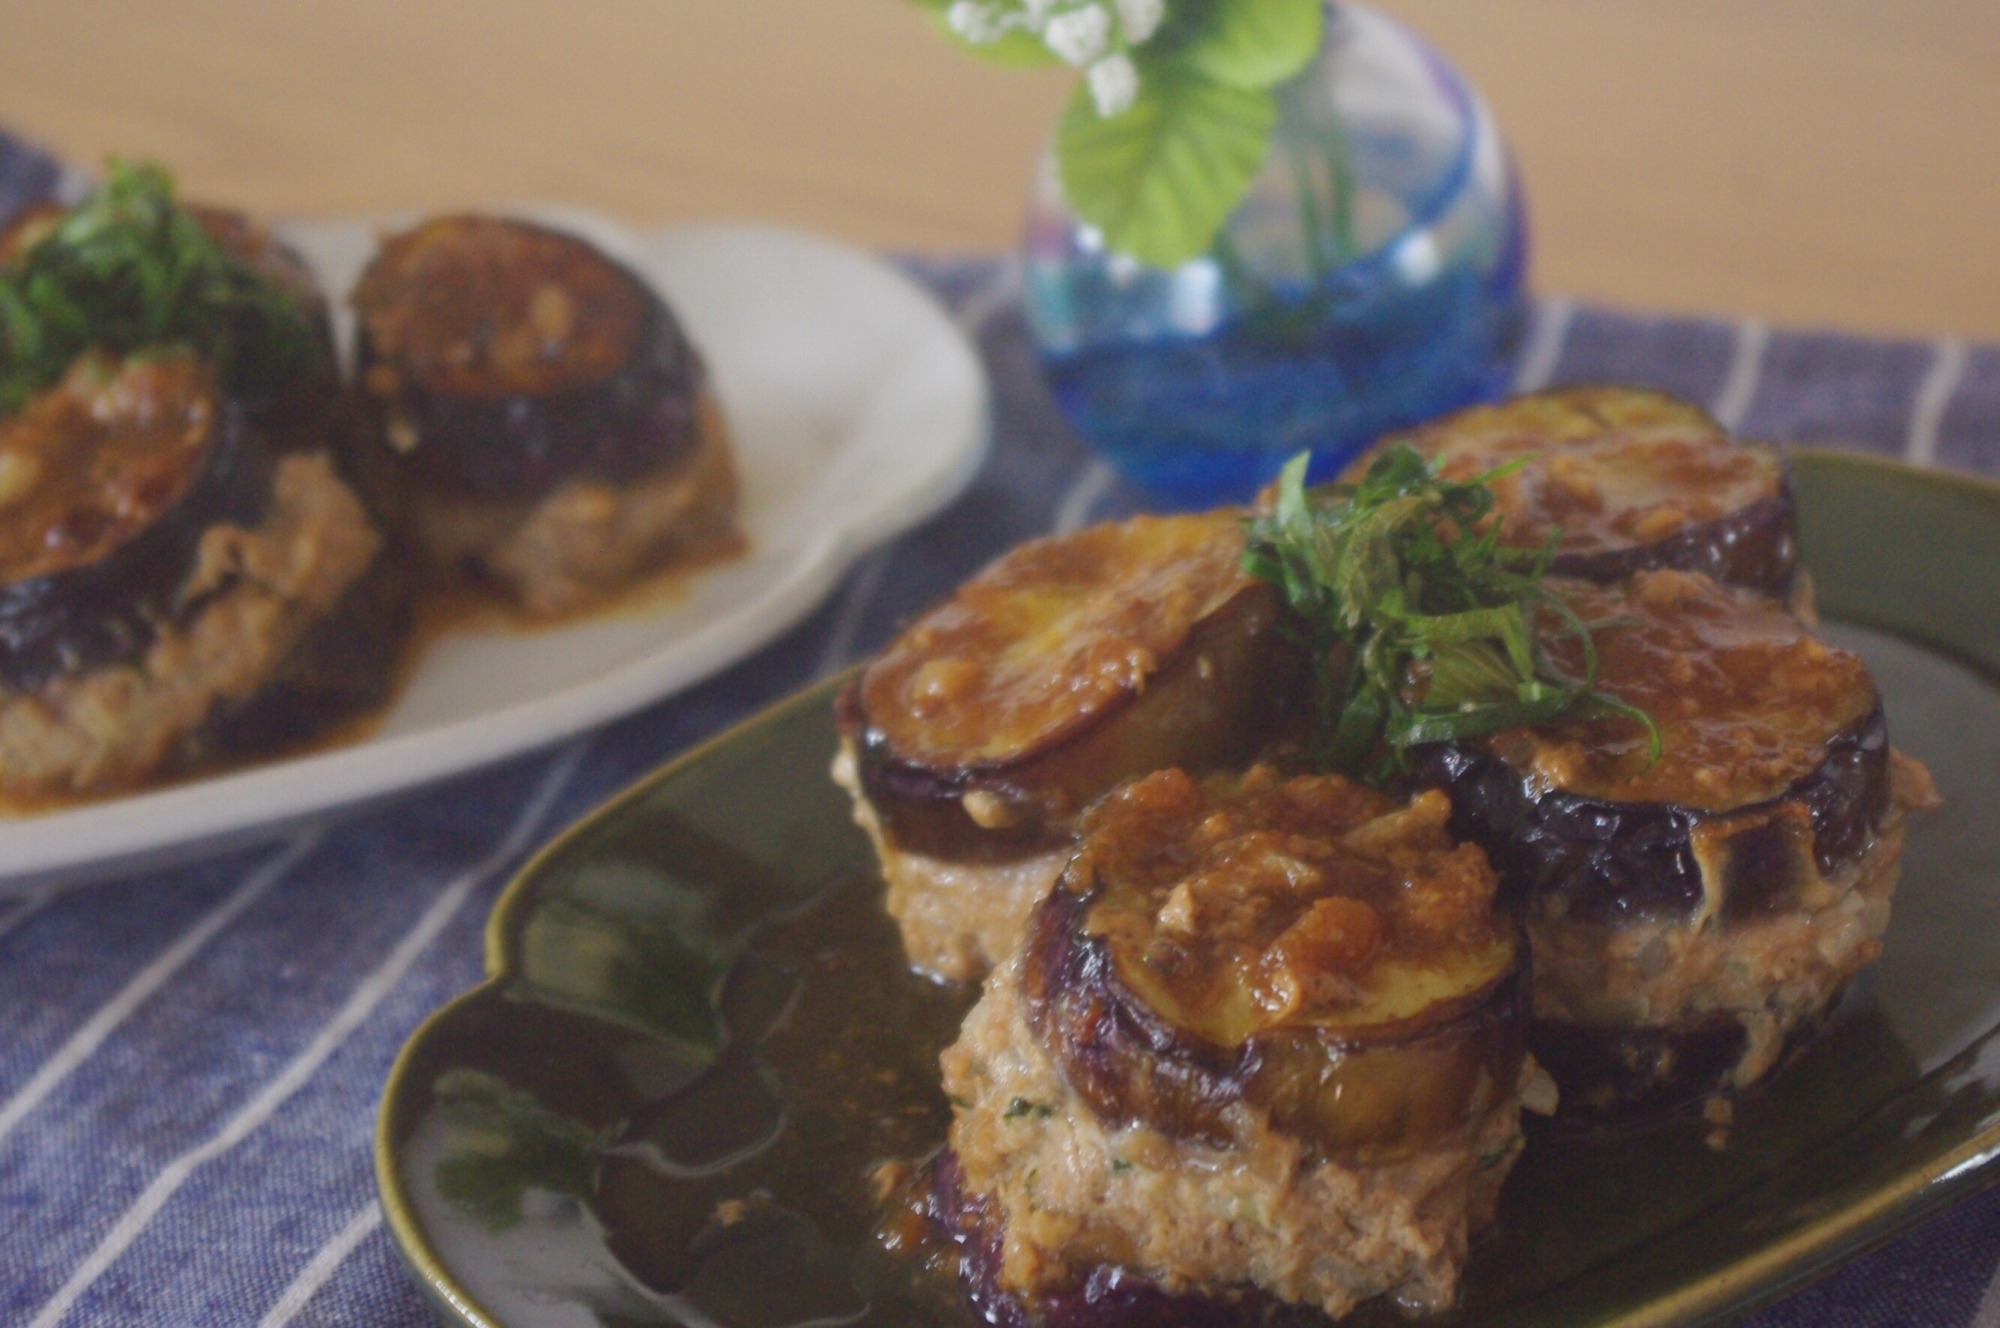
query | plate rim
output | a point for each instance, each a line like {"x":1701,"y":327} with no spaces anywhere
{"x":280,"y":794}
{"x":1766,"y":1273}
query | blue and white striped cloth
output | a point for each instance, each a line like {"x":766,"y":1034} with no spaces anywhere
{"x":192,"y":1057}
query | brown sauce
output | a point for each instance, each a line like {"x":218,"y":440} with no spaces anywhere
{"x":440,"y":611}
{"x":485,"y":308}
{"x":97,"y":460}
{"x":1240,"y":904}
{"x":1745,"y":697}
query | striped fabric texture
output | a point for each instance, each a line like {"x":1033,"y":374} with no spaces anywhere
{"x":192,"y":1057}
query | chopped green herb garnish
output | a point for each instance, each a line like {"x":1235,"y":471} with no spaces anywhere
{"x":1020,"y":1107}
{"x":129,"y":270}
{"x":1419,"y":622}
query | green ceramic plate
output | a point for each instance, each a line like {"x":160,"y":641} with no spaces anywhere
{"x":698,"y":1037}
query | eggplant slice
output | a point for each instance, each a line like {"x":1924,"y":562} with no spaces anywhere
{"x":533,"y":414}
{"x":157,"y":569}
{"x":1250,"y":994}
{"x":107,"y":483}
{"x":1689,"y":916}
{"x":1635,"y":480}
{"x":974,"y":740}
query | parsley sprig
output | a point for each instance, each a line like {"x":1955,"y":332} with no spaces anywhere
{"x":129,"y":270}
{"x":1420,"y":623}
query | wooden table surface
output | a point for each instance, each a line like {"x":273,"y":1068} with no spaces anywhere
{"x":1820,"y":162}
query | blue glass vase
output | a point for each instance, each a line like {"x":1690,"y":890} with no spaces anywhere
{"x":1372,"y":277}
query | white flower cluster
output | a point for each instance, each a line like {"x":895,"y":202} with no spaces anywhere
{"x":1097,"y":36}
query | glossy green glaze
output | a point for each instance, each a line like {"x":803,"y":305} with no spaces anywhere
{"x":698,"y":1037}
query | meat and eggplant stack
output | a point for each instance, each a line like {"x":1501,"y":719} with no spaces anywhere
{"x":1689,"y":795}
{"x":160,"y":564}
{"x":974,"y":740}
{"x":1264,"y":1038}
{"x":1632,"y":479}
{"x":535,"y":417}
{"x":1693,"y":901}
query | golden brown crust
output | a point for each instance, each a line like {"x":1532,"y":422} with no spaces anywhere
{"x":472,"y":306}
{"x":1613,"y":467}
{"x":99,"y":458}
{"x":1050,"y":637}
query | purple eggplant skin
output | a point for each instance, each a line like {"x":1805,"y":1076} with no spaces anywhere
{"x":640,"y":419}
{"x":1755,"y":546}
{"x":1366,"y":1100}
{"x":923,"y":810}
{"x":109,"y":612}
{"x":1615,"y":1076}
{"x":1107,"y":1297}
{"x":1612,"y":862}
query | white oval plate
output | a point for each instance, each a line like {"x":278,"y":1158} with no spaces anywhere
{"x":857,"y":410}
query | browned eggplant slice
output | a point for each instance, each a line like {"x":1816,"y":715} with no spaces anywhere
{"x":1696,"y":911}
{"x":505,"y":357}
{"x":1249,"y":995}
{"x":533,"y":416}
{"x":1634,"y":479}
{"x":1071,"y":664}
{"x":107,"y":483}
{"x":1304,"y":946}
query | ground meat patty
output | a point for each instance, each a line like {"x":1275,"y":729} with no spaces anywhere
{"x":1689,"y":914}
{"x":535,"y":416}
{"x":260,"y":587}
{"x":977,"y":736}
{"x":1264,"y":1037}
{"x":1633,"y":479}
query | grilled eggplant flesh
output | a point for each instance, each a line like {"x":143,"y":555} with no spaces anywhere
{"x":1307,"y":947}
{"x":1069,"y":665}
{"x":107,"y":482}
{"x":1633,"y":480}
{"x":1774,"y":764}
{"x":499,"y":359}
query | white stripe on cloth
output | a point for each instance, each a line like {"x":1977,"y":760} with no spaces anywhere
{"x":1933,"y":398}
{"x":1746,"y":368}
{"x":28,"y":905}
{"x":1546,"y":335}
{"x":861,"y":591}
{"x":323,"y":1265}
{"x":148,"y":980}
{"x":373,"y":989}
{"x":1076,"y":506}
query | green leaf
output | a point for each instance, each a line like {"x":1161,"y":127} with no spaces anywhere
{"x":1257,"y":44}
{"x":1160,"y":178}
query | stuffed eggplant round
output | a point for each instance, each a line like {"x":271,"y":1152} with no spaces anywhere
{"x":157,"y":570}
{"x":1689,"y":914}
{"x":535,"y":415}
{"x":974,"y":740}
{"x":1265,"y":1034}
{"x":1632,"y":479}
{"x":107,"y":484}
